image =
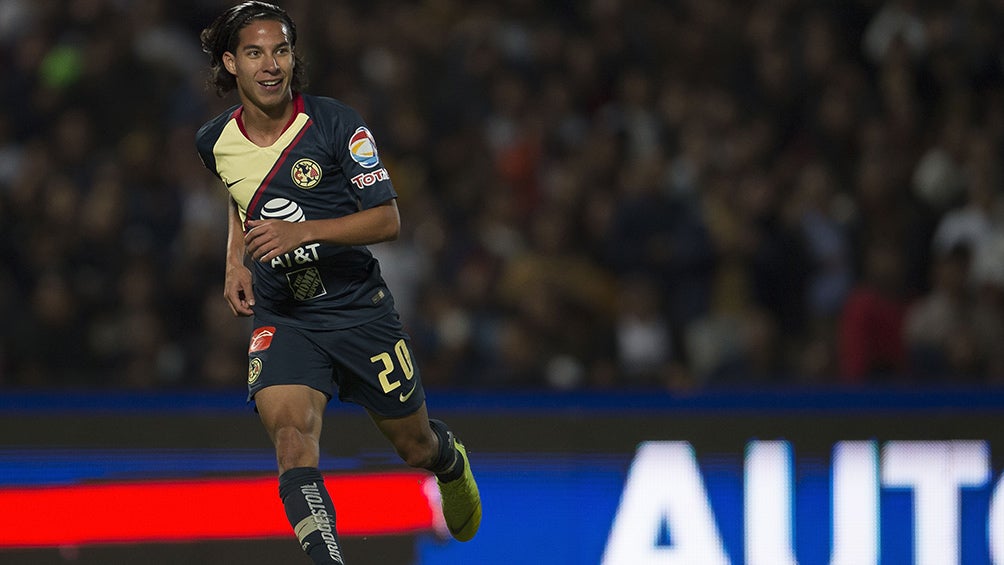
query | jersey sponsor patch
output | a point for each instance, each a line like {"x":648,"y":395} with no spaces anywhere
{"x":282,"y":209}
{"x":363,"y":148}
{"x":306,"y":284}
{"x":261,"y":339}
{"x":369,"y":179}
{"x":306,"y":173}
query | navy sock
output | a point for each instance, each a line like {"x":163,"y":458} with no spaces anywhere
{"x":449,"y":465}
{"x":311,"y":513}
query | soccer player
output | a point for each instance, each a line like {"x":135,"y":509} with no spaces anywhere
{"x":308,"y":193}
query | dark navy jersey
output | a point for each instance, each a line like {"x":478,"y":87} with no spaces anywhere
{"x":324,"y":165}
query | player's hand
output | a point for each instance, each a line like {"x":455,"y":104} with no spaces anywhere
{"x":267,"y":239}
{"x":237,"y":290}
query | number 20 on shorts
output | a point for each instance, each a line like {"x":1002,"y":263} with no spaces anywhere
{"x":403,"y":359}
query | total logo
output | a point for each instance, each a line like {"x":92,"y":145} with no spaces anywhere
{"x":363,"y":148}
{"x":369,"y":179}
{"x":900,"y":502}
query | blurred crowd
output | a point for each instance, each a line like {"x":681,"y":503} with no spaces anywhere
{"x":597,"y":193}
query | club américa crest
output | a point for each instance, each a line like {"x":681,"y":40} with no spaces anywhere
{"x":306,"y":173}
{"x":254,"y":370}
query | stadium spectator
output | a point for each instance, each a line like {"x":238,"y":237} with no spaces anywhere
{"x":871,"y":347}
{"x":941,"y":335}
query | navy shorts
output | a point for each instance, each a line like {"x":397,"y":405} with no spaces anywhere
{"x":371,"y":364}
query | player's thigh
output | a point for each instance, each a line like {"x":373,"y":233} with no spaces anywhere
{"x":295,"y":406}
{"x":289,"y":378}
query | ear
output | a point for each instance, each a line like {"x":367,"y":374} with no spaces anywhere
{"x":230,"y":62}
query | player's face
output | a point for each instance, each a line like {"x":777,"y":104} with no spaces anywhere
{"x":262,"y":64}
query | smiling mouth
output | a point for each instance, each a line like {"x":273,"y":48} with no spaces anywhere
{"x":270,"y":83}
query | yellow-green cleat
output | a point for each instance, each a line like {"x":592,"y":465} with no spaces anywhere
{"x":461,"y":501}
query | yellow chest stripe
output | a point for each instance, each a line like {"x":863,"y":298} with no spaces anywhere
{"x":243,"y":166}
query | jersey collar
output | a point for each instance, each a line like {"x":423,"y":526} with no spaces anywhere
{"x":238,"y":114}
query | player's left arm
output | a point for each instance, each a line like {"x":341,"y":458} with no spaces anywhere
{"x":268,"y":239}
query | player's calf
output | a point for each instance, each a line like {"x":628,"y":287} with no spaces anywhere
{"x":311,"y":513}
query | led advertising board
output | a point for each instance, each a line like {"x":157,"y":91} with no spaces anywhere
{"x":883,"y":478}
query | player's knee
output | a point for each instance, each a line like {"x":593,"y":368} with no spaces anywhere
{"x":293,"y":448}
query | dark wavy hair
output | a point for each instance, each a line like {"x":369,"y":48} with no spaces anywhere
{"x":222,"y":36}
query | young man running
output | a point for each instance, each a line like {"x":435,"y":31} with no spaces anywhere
{"x":308,"y":193}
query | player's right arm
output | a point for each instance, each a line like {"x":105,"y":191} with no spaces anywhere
{"x":237,"y":282}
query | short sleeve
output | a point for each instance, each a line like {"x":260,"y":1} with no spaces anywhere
{"x":357,"y":154}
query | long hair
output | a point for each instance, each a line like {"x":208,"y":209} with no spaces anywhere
{"x":222,"y":36}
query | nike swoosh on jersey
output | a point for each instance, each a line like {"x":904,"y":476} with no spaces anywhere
{"x":230,"y":184}
{"x":404,"y":397}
